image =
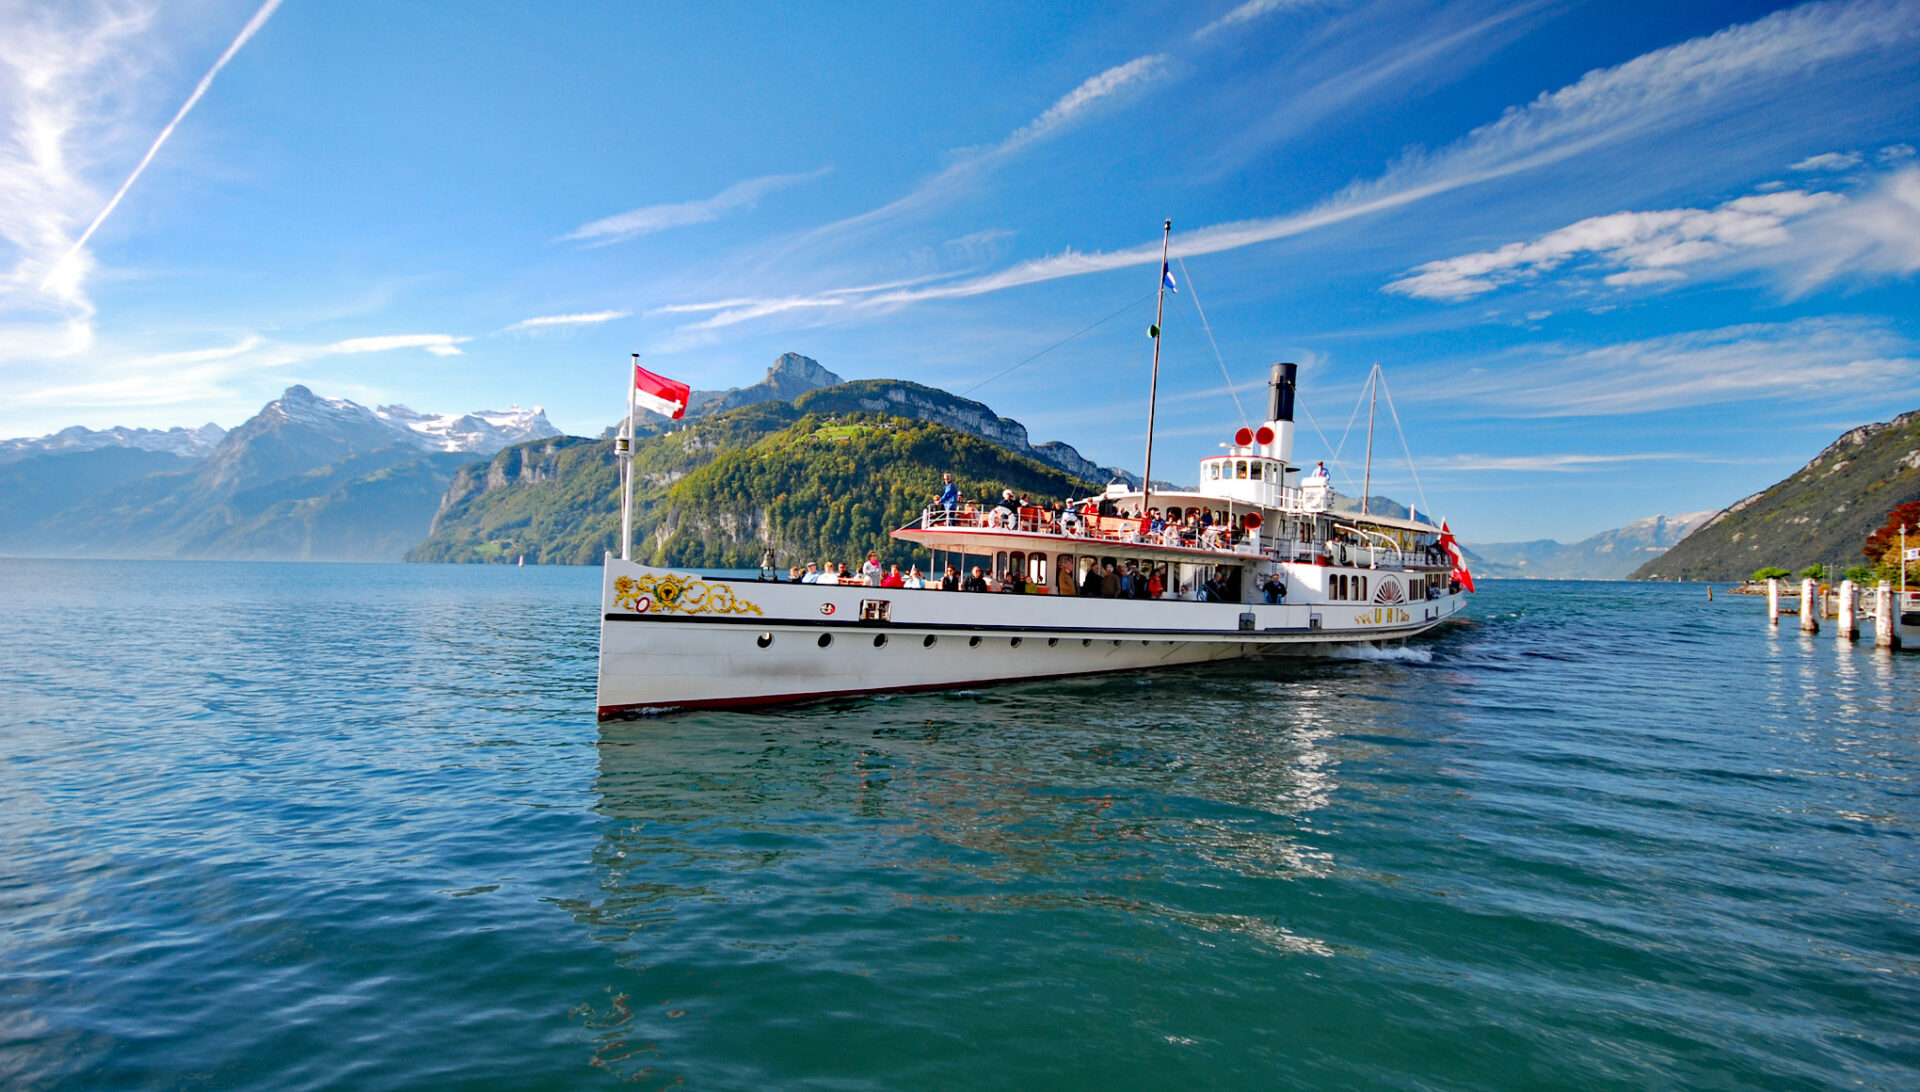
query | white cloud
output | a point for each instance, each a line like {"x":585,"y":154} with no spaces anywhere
{"x":1082,"y":98}
{"x":652,"y":218}
{"x":1874,"y":235}
{"x":1895,"y":153}
{"x":1649,"y":245}
{"x":1248,"y":12}
{"x":437,"y":344}
{"x":260,"y":17}
{"x":1553,"y":464}
{"x":586,"y":318}
{"x":1829,"y":161}
{"x":1811,"y":360}
{"x":1664,"y":89}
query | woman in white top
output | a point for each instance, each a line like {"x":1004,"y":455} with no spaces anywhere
{"x":914,"y":579}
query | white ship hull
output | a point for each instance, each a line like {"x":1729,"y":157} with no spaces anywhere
{"x":674,"y":640}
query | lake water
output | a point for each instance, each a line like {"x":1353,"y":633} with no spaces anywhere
{"x":332,"y":826}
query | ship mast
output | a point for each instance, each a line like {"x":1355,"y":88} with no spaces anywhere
{"x":623,"y":451}
{"x":1366,"y":482}
{"x":1153,"y":386}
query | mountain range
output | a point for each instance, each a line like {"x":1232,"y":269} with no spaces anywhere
{"x":306,"y":478}
{"x":1609,"y":555}
{"x":802,"y":462}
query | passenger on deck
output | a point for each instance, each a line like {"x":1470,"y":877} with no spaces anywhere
{"x":846,"y":576}
{"x":893,"y":579}
{"x":1319,"y":474}
{"x":1090,"y":581}
{"x":1156,"y":587}
{"x":949,"y":494}
{"x":1069,"y":521}
{"x":915,"y":580}
{"x":793,"y":575}
{"x":871,"y":570}
{"x":975,"y":582}
{"x":1013,"y":581}
{"x":1273,"y":589}
{"x":1109,"y":582}
{"x":812,"y":574}
{"x":951,"y":580}
{"x":1002,"y":515}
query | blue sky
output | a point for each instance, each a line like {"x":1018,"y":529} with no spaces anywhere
{"x":1615,"y":258}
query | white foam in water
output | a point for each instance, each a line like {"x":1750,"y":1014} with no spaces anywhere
{"x":1401,"y":653}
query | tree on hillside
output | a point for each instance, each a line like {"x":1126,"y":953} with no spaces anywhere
{"x":1888,"y":536}
{"x":1771,"y":572}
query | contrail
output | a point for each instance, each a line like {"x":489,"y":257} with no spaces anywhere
{"x":253,"y":25}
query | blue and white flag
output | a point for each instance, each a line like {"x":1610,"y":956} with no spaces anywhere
{"x":1166,"y":277}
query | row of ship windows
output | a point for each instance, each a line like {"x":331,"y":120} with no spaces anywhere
{"x":825,"y":640}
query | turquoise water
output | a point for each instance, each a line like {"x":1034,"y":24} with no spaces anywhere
{"x":315,"y":826}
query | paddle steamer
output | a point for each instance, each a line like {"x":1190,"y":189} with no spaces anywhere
{"x":1257,"y":560}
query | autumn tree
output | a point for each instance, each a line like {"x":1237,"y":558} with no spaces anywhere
{"x":1888,"y":536}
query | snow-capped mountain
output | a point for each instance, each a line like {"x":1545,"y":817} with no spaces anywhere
{"x":482,"y":432}
{"x":188,"y":443}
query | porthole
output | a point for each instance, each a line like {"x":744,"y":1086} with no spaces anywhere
{"x":765,"y":640}
{"x":879,"y":640}
{"x":826,"y":639}
{"x":1085,"y":642}
{"x":1015,"y":643}
{"x":927,"y":642}
{"x":1051,"y":641}
{"x":973,"y":642}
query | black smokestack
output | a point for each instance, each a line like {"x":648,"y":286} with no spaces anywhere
{"x":1280,"y":392}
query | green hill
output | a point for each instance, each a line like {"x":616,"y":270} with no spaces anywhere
{"x":721,"y":490}
{"x":1821,"y":515}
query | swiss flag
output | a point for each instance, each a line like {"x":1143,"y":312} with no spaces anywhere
{"x":1452,"y":548}
{"x":667,"y":397}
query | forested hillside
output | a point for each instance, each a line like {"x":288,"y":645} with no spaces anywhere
{"x":1821,"y":515}
{"x":721,"y":490}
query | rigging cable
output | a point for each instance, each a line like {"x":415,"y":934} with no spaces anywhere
{"x":1216,"y":345}
{"x":1395,"y":414}
{"x":1059,"y":343}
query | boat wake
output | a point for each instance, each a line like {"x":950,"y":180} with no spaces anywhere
{"x":1398,"y":653}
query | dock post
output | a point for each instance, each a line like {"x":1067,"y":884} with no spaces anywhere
{"x":1883,"y":634}
{"x":1848,"y":620}
{"x":1809,"y":609}
{"x":1773,"y":601}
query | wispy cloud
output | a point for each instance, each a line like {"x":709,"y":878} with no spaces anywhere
{"x":1555,"y":464}
{"x":1875,"y":235}
{"x":437,"y":344}
{"x":1657,"y":91}
{"x":970,"y":163}
{"x":1248,"y":12}
{"x":1082,"y":98}
{"x":651,"y":218}
{"x":65,"y":271}
{"x":585,"y":318}
{"x":1828,"y":161}
{"x":212,"y":374}
{"x":1644,"y":247}
{"x":1809,"y":359}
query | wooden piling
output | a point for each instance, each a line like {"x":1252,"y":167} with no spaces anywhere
{"x":1809,"y":610}
{"x":1773,"y":601}
{"x":1848,"y":620}
{"x":1883,"y":617}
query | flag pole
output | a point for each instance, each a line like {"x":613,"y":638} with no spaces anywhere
{"x":1153,"y":385}
{"x":624,"y":450}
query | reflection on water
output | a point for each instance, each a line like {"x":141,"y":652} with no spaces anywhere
{"x":831,"y":842}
